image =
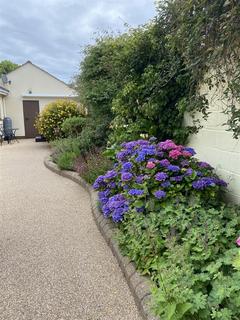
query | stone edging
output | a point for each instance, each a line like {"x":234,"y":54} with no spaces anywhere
{"x":139,"y":285}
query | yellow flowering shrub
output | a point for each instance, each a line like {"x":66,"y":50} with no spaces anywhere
{"x":53,"y":115}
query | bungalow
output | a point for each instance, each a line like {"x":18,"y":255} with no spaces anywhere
{"x":25,"y":91}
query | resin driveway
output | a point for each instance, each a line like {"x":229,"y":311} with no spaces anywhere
{"x":54,"y":263}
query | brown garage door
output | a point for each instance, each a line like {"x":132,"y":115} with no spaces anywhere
{"x":30,"y":111}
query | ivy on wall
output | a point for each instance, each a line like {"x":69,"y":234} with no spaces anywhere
{"x":207,"y":34}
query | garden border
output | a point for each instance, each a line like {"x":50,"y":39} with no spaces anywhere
{"x":138,"y":284}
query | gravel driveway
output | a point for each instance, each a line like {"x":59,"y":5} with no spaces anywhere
{"x":54,"y":264}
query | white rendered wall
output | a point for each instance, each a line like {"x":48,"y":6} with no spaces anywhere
{"x":30,"y":78}
{"x":216,"y":145}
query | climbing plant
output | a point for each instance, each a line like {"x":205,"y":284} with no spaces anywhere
{"x":207,"y":35}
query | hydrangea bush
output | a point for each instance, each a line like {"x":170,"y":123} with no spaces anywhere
{"x":148,"y":173}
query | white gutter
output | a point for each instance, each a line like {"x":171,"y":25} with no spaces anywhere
{"x":41,"y":95}
{"x":4,"y":92}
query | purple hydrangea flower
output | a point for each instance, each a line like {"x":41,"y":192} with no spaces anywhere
{"x":99,"y":182}
{"x":122,"y":155}
{"x":167,"y":145}
{"x":202,"y":164}
{"x":112,"y":185}
{"x":177,"y":178}
{"x":126,"y":176}
{"x":110,"y":174}
{"x":103,"y":196}
{"x":164,"y":163}
{"x":184,"y":163}
{"x":160,"y":194}
{"x":173,"y":168}
{"x":135,"y":192}
{"x":139,"y":179}
{"x":141,"y":209}
{"x":106,"y":211}
{"x":161,"y":176}
{"x":189,"y":172}
{"x":160,"y":154}
{"x":222,"y":183}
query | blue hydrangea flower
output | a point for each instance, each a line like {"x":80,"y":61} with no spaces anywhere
{"x":140,"y":157}
{"x":173,"y":168}
{"x":166,"y":184}
{"x":203,"y":183}
{"x":117,"y":214}
{"x":160,"y":194}
{"x":135,"y":192}
{"x":127,"y":166}
{"x":190,"y":150}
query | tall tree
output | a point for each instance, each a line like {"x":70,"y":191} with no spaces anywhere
{"x":7,"y":66}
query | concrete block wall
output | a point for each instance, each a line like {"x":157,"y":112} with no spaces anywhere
{"x":216,"y":145}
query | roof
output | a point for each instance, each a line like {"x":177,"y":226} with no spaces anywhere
{"x":4,"y":91}
{"x":29,"y":62}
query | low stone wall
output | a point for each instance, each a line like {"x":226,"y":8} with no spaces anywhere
{"x":139,"y":285}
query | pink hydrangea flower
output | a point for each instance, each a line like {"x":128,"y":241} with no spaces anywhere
{"x":150,"y":165}
{"x":167,"y":145}
{"x":174,"y":154}
{"x":186,"y":154}
{"x":238,"y":241}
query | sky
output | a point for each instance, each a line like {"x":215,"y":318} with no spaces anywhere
{"x":53,"y":33}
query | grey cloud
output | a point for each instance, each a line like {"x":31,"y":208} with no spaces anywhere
{"x":52,"y":33}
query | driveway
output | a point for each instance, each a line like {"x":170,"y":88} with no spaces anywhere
{"x":54,"y":263}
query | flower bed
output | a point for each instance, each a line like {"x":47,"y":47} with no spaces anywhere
{"x":174,"y":226}
{"x":147,"y":174}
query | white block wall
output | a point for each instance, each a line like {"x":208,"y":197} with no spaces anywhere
{"x":217,"y":146}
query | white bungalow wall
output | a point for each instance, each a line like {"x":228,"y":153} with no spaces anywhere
{"x":29,"y":78}
{"x":216,"y":145}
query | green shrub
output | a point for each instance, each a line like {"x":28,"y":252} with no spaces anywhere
{"x":174,"y":226}
{"x":190,"y":254}
{"x":66,"y":160}
{"x":72,"y":127}
{"x":91,"y":136}
{"x":93,"y":164}
{"x":53,"y":115}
